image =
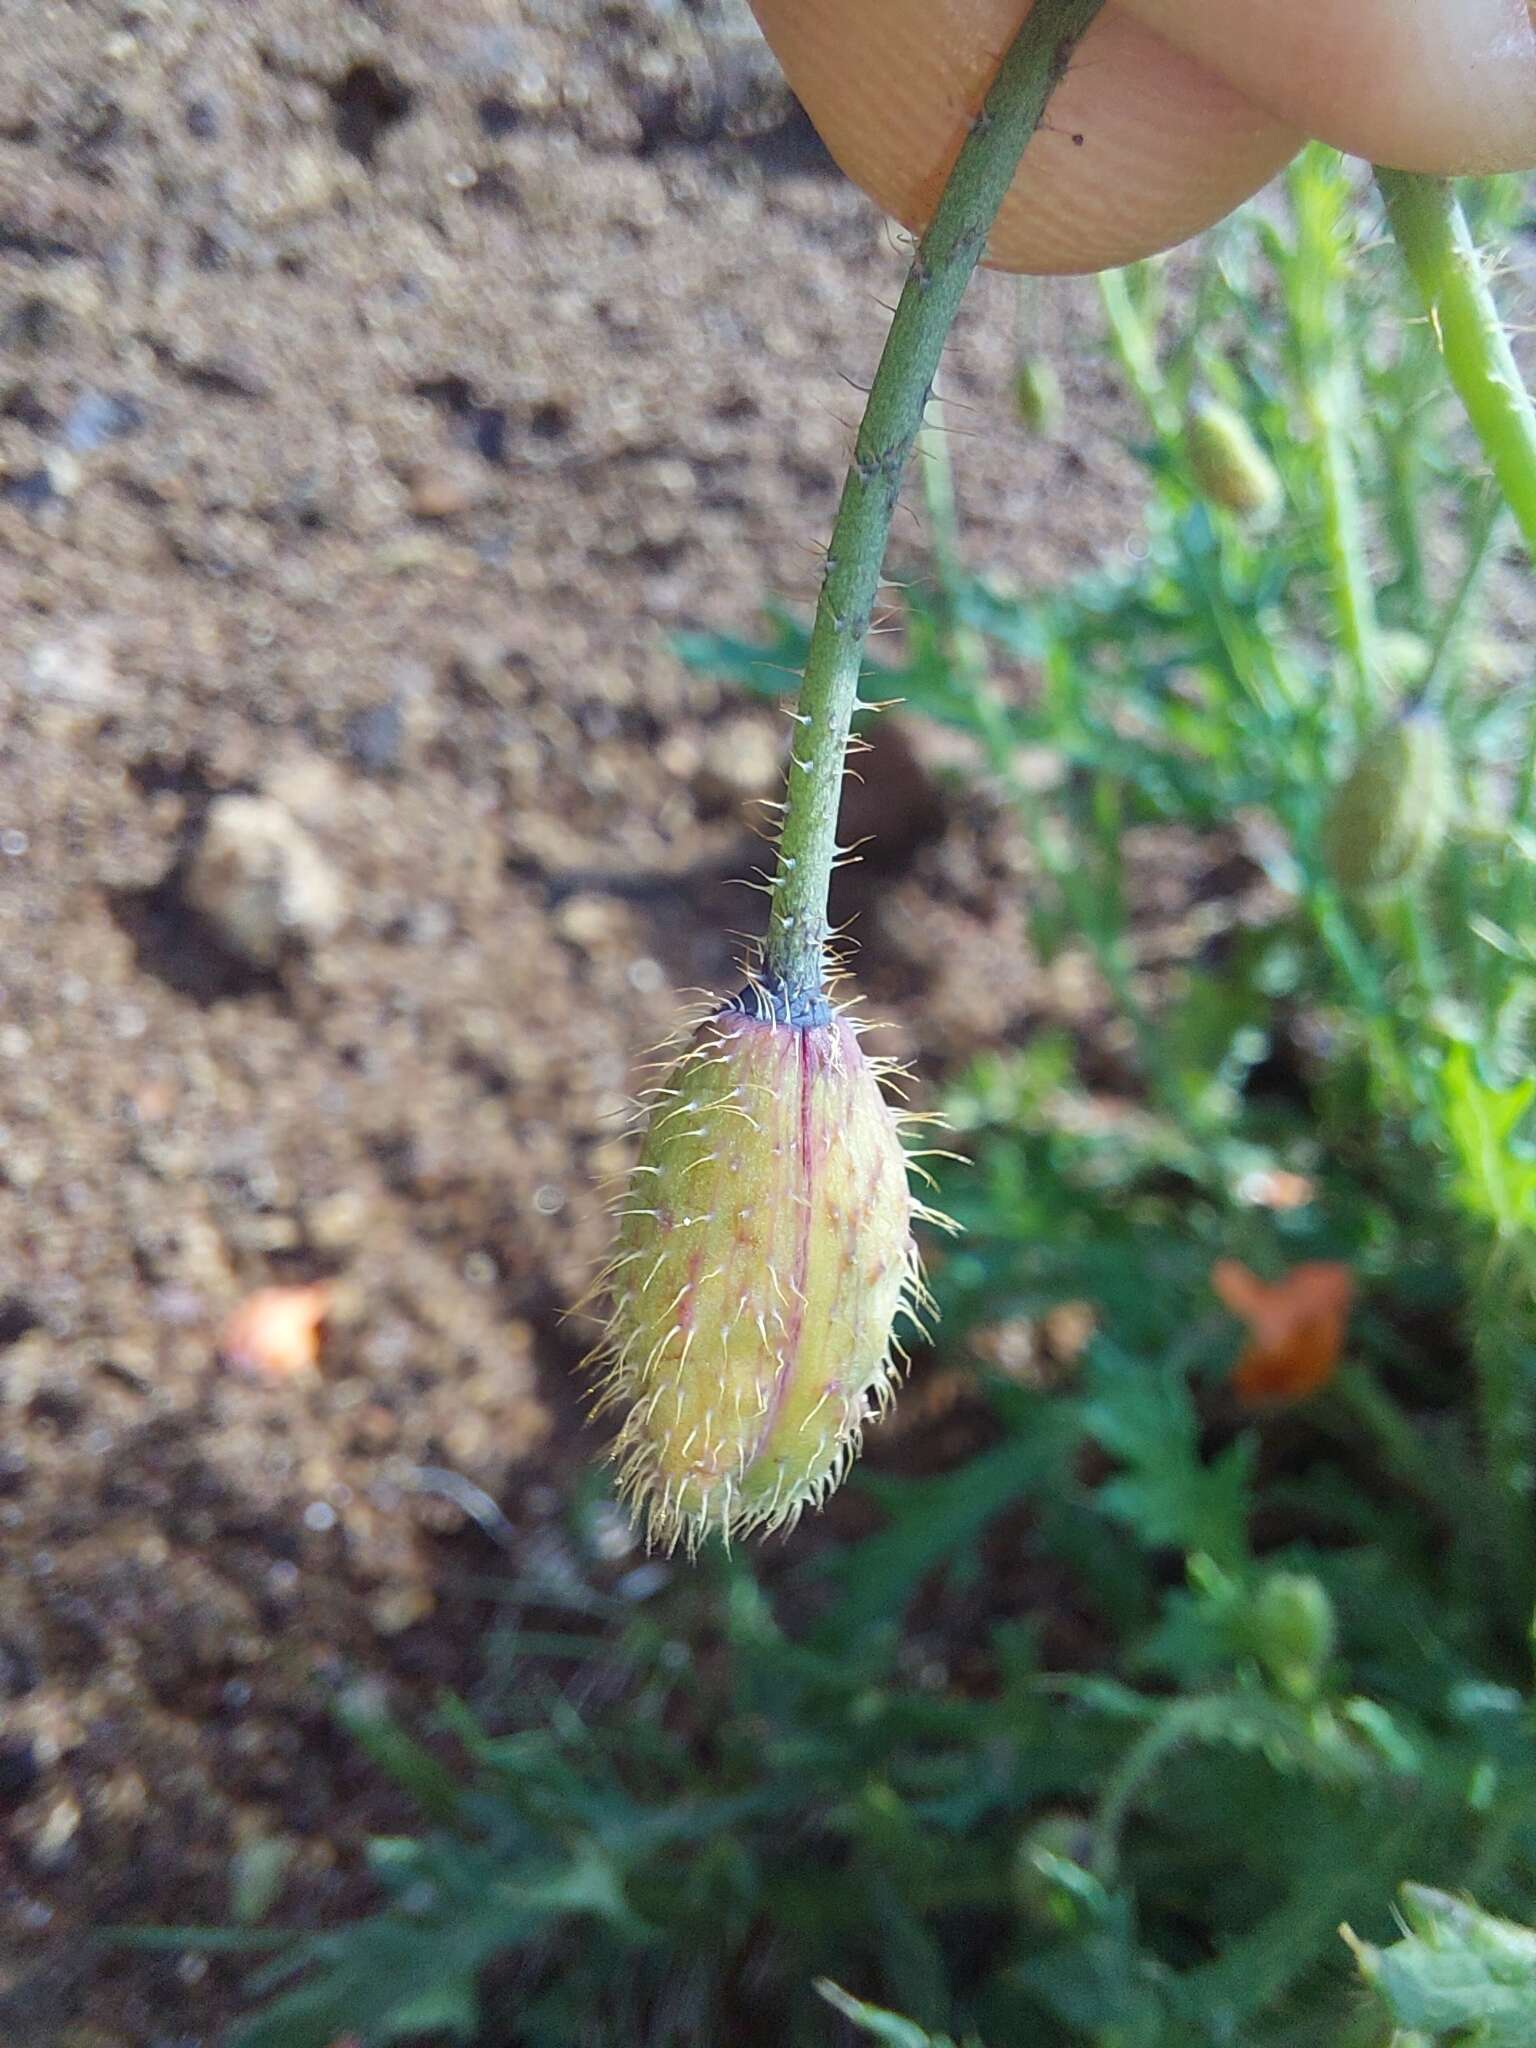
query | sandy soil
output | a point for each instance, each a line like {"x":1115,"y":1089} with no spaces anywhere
{"x":379,"y":386}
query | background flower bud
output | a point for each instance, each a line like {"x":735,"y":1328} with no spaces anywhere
{"x":1227,"y":463}
{"x":1053,"y":1886}
{"x":1292,"y":1632}
{"x":765,"y":1250}
{"x":1388,"y":818}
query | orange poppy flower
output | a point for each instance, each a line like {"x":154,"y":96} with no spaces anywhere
{"x":1296,"y":1327}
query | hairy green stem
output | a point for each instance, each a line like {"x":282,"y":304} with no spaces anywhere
{"x":795,"y":951}
{"x":1443,"y":262}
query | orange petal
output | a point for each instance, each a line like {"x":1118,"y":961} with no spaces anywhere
{"x":1289,"y":1372}
{"x":275,"y":1332}
{"x":1247,"y":1296}
{"x":1321,"y":1287}
{"x":1297,"y":1326}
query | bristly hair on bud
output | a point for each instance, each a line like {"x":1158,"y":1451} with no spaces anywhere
{"x":765,"y":1252}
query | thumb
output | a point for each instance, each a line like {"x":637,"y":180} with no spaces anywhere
{"x":1183,"y":107}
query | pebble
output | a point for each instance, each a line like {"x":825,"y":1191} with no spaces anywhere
{"x":51,"y":1830}
{"x":19,"y":1772}
{"x":398,"y":1608}
{"x":100,"y":416}
{"x":75,"y":672}
{"x":590,"y":922}
{"x":441,"y":491}
{"x":262,"y":882}
{"x":336,"y":1221}
{"x":375,"y":738}
{"x":742,"y":761}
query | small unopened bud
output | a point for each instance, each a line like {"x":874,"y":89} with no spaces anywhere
{"x":1053,"y":1886}
{"x":1227,"y":463}
{"x":1291,"y":1631}
{"x":766,"y":1249}
{"x":1037,"y":395}
{"x":1388,"y":818}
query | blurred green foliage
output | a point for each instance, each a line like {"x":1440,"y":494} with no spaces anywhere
{"x":1098,"y":1737}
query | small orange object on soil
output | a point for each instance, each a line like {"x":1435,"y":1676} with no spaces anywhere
{"x":275,"y":1332}
{"x":1296,"y":1327}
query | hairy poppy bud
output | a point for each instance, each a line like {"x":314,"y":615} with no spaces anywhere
{"x":1227,"y":463}
{"x":1388,"y":818}
{"x":1291,"y":1631}
{"x":1037,"y":395}
{"x":766,"y":1248}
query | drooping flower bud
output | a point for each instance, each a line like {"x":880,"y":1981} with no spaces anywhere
{"x":765,"y":1251}
{"x":1227,"y":463}
{"x":1037,"y":394}
{"x":1291,"y":1631}
{"x":1388,"y":818}
{"x":1053,"y":1886}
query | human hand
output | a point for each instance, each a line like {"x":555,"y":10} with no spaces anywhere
{"x":1172,"y":112}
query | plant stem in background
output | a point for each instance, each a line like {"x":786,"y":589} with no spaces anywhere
{"x":1138,"y":358}
{"x":937,"y":476}
{"x":1329,"y":390}
{"x":1434,"y":685}
{"x":795,"y":951}
{"x":1443,"y":261}
{"x":1503,"y":1286}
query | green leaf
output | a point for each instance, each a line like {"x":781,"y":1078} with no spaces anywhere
{"x":434,"y":1788}
{"x":772,"y":666}
{"x":1496,"y":1179}
{"x":1459,"y":1975}
{"x":1145,"y":1417}
{"x":416,"y":1969}
{"x":934,"y":1519}
{"x":879,"y":2024}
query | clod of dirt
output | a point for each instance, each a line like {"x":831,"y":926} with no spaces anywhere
{"x":366,"y":104}
{"x":262,"y":882}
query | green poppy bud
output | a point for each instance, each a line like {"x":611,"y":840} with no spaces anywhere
{"x":1037,"y":395}
{"x":1053,"y":1886}
{"x":1227,"y":463}
{"x":765,"y":1251}
{"x":1388,"y":818}
{"x":1292,"y":1633}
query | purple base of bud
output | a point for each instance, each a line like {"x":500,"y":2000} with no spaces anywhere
{"x":766,"y":1249}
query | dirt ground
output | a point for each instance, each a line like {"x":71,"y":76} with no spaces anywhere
{"x":379,"y":386}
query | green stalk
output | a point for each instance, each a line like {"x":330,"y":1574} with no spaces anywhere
{"x":1325,"y":376}
{"x":1486,"y":521}
{"x":1443,"y":262}
{"x":1498,"y":1324}
{"x":1133,"y":344}
{"x":937,"y":476}
{"x":795,"y":951}
{"x":1328,"y":399}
